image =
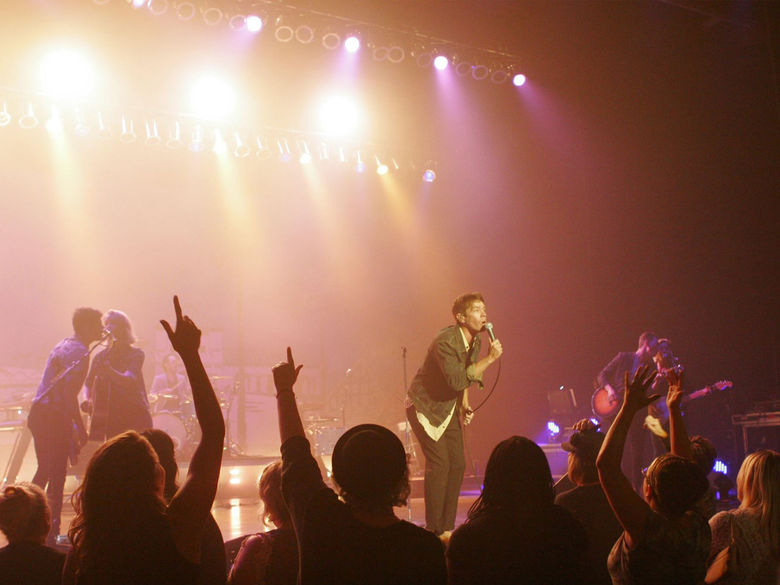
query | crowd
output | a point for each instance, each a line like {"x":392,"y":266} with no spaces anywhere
{"x":136,"y":525}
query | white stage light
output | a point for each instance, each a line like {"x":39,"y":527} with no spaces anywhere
{"x":212,"y":98}
{"x":66,"y":73}
{"x":185,"y":10}
{"x":54,"y":123}
{"x":152,"y":133}
{"x":331,"y":41}
{"x":381,"y":168}
{"x":174,"y":136}
{"x":220,"y":146}
{"x":28,"y":119}
{"x":5,"y":117}
{"x":102,"y":129}
{"x":127,"y":134}
{"x":264,"y":152}
{"x":158,"y":7}
{"x":339,"y":115}
{"x":254,"y":23}
{"x":240,"y":150}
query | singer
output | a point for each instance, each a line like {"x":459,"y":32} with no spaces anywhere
{"x":438,"y":404}
{"x":116,"y":392}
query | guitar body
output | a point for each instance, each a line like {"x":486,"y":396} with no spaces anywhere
{"x":602,"y":405}
{"x":98,"y":423}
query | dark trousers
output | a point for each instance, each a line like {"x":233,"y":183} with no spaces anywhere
{"x":444,"y":468}
{"x":51,"y":431}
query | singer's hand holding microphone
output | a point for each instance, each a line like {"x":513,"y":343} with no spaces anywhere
{"x":495,"y":345}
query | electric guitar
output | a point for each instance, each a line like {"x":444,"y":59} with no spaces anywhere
{"x":658,"y":412}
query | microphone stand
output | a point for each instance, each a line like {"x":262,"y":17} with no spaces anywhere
{"x":407,"y":431}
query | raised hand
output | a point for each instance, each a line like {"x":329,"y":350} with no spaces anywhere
{"x":186,"y":338}
{"x":675,"y":393}
{"x":286,"y":373}
{"x":636,"y":397}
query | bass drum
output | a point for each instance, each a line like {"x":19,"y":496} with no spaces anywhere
{"x":173,"y":425}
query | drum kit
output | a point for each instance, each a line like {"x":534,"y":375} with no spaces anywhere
{"x":176,"y":416}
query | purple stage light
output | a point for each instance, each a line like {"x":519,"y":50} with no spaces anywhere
{"x":553,"y":428}
{"x":254,"y":23}
{"x":352,"y":44}
{"x":441,"y":62}
{"x":519,"y":80}
{"x":429,"y":176}
{"x":721,"y":467}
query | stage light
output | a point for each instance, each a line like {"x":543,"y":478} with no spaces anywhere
{"x":721,"y":467}
{"x":5,"y":117}
{"x":158,"y":7}
{"x":304,"y":34}
{"x":331,"y":41}
{"x":174,"y":136}
{"x":381,"y":168}
{"x":80,"y":127}
{"x":66,"y":73}
{"x":499,"y":76}
{"x":518,"y":80}
{"x":360,"y":166}
{"x":28,"y":120}
{"x":127,"y":134}
{"x":339,"y":115}
{"x":424,"y":59}
{"x":152,"y":133}
{"x":237,"y":22}
{"x":323,"y":151}
{"x":54,"y":123}
{"x":212,"y":16}
{"x":103,"y":130}
{"x":264,"y":152}
{"x":284,"y":150}
{"x":212,"y":98}
{"x":463,"y":68}
{"x":220,"y":146}
{"x":395,"y":54}
{"x":304,"y":157}
{"x":254,"y":23}
{"x":553,"y":428}
{"x":595,"y":421}
{"x":352,"y":44}
{"x":240,"y":149}
{"x":429,"y":176}
{"x":379,"y":53}
{"x":480,"y":72}
{"x":441,"y":62}
{"x":284,"y":33}
{"x":342,"y":155}
{"x":138,"y":3}
{"x":196,"y":139}
{"x":395,"y":164}
{"x":185,"y":10}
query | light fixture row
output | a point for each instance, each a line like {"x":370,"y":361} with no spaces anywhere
{"x":197,"y":136}
{"x":307,"y":26}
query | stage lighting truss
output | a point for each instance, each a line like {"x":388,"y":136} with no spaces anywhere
{"x":204,"y":137}
{"x":288,"y":23}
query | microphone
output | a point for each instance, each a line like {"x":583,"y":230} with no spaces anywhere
{"x":489,"y":329}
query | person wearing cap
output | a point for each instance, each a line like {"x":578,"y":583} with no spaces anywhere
{"x":355,"y":538}
{"x":587,"y":501}
{"x":437,"y":405}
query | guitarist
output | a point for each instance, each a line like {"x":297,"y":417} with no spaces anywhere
{"x":611,"y":379}
{"x":116,"y":392}
{"x":54,"y":412}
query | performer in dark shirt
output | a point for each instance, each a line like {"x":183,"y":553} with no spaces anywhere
{"x":54,"y":418}
{"x":360,"y":540}
{"x":115,"y":383}
{"x":438,"y":400}
{"x":611,"y":379}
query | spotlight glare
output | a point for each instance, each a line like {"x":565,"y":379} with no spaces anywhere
{"x":254,"y":23}
{"x":5,"y":117}
{"x":553,"y":428}
{"x":429,"y":176}
{"x":352,"y":44}
{"x":441,"y":62}
{"x":721,"y":467}
{"x":519,"y":80}
{"x":212,"y":98}
{"x":66,"y":73}
{"x":220,"y":146}
{"x":54,"y":123}
{"x":138,"y":3}
{"x":339,"y":115}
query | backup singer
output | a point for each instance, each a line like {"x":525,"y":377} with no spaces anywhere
{"x":115,"y":385}
{"x":54,"y":415}
{"x":437,"y":405}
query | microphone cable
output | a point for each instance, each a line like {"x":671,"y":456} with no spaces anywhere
{"x":495,"y":383}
